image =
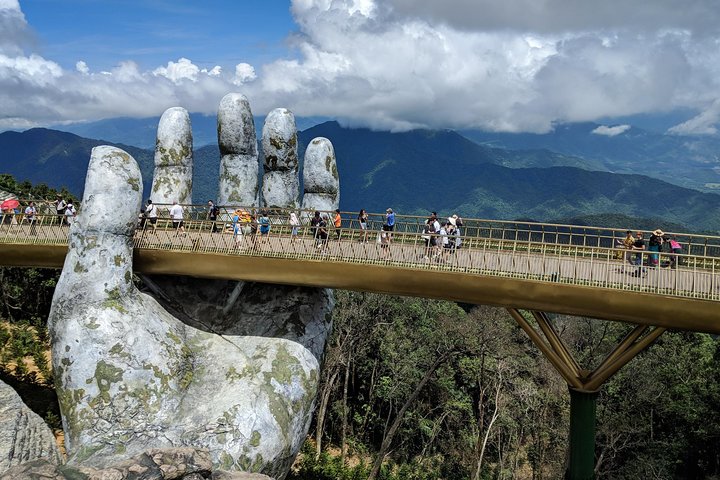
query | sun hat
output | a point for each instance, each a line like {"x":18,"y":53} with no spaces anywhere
{"x":452,"y":220}
{"x":658,"y":233}
{"x":389,"y":210}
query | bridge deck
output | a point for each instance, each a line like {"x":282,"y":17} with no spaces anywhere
{"x":572,"y":279}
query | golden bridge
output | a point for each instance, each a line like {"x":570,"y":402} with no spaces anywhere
{"x":528,"y":268}
{"x":541,"y":267}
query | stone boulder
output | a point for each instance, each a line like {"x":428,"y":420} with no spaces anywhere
{"x":24,"y":436}
{"x":154,"y":464}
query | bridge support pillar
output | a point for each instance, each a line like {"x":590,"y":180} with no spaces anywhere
{"x":581,"y":458}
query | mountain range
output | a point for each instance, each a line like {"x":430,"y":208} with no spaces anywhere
{"x":418,"y":171}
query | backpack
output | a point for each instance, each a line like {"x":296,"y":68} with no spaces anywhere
{"x":215,"y":211}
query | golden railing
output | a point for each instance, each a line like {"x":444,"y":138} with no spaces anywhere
{"x":562,"y":254}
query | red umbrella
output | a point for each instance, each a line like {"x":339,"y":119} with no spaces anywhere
{"x":9,"y":204}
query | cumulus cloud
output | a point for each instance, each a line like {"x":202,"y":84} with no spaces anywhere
{"x":244,"y":73}
{"x":14,"y":31}
{"x":401,"y":64}
{"x":611,"y":131}
{"x":82,"y":67}
{"x":178,"y":71}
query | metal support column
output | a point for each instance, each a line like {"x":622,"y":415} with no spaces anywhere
{"x":581,"y":461}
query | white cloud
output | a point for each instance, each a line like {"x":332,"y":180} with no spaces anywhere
{"x":401,"y":64}
{"x":213,"y":72}
{"x":611,"y":131}
{"x":244,"y":73}
{"x":82,"y":67}
{"x":178,"y":71}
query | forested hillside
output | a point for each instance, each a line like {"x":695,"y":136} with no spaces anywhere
{"x":447,"y":391}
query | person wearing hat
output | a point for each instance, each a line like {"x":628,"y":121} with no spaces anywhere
{"x":655,"y":245}
{"x":389,"y":223}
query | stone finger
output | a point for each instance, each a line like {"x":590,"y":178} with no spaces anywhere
{"x":238,"y":184}
{"x":172,"y":180}
{"x":280,"y":186}
{"x":321,"y":183}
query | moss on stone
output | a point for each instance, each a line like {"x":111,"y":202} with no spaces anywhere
{"x":255,"y":438}
{"x":134,"y":183}
{"x":92,"y":324}
{"x":226,"y":460}
{"x":87,"y":451}
{"x":105,"y":375}
{"x":118,"y":259}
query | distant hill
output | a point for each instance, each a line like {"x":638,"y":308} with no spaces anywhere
{"x":58,"y":159}
{"x":412,"y":176}
{"x":690,"y":161}
{"x":412,"y":172}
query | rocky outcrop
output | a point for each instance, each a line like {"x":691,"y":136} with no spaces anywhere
{"x":229,"y":367}
{"x":154,"y":464}
{"x":24,"y":436}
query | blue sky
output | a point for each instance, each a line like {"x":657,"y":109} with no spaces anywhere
{"x":510,"y":66}
{"x":151,"y":32}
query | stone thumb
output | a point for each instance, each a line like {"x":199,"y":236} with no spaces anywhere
{"x":99,"y":260}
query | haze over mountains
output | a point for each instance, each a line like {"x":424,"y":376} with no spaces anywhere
{"x":564,"y":174}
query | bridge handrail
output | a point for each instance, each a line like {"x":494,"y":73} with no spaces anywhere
{"x":696,"y":276}
{"x":403,"y":222}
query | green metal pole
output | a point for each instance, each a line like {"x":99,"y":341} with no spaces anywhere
{"x":581,"y":462}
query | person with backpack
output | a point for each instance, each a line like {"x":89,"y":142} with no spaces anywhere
{"x":655,"y":245}
{"x":264,"y":226}
{"x":212,"y":214}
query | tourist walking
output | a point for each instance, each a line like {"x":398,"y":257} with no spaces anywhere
{"x":363,"y":221}
{"x":212,"y":213}
{"x":294,"y":226}
{"x":237,"y":227}
{"x":639,"y":247}
{"x":337,"y":223}
{"x":177,"y":216}
{"x":389,"y":225}
{"x":655,"y":245}
{"x":151,"y":214}
{"x":264,"y":226}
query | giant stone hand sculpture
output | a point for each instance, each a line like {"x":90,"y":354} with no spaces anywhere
{"x":227,"y":366}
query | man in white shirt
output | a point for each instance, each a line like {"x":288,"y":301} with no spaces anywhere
{"x":176,"y":214}
{"x":151,"y":214}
